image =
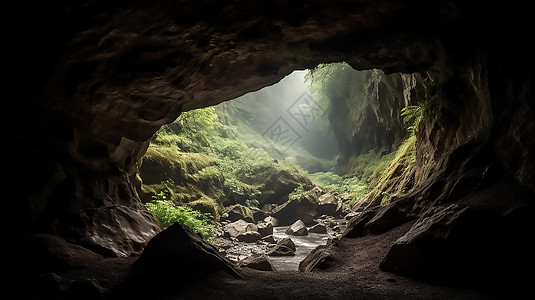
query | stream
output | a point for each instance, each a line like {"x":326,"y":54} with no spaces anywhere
{"x":303,"y":246}
{"x":237,"y":251}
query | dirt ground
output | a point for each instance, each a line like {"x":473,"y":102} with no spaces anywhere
{"x":354,"y":275}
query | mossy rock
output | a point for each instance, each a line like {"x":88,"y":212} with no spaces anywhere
{"x":239,"y":212}
{"x":275,"y":183}
{"x":297,"y":208}
{"x":205,"y":205}
{"x":162,"y":163}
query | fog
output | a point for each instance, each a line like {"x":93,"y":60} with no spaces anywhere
{"x":288,"y":117}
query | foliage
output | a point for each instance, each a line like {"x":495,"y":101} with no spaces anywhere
{"x":168,"y":214}
{"x":337,"y":84}
{"x":191,"y":131}
{"x":397,"y":178}
{"x":335,"y":183}
{"x":220,"y":162}
{"x":413,"y":115}
{"x":193,"y":120}
{"x":234,"y":152}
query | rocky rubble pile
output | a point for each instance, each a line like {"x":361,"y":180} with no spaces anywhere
{"x":245,"y":235}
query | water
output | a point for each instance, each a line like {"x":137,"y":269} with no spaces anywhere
{"x":303,"y":245}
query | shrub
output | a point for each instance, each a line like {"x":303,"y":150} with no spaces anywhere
{"x":168,"y":214}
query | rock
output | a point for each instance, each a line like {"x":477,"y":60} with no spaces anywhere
{"x":272,"y":220}
{"x":303,"y":208}
{"x":269,"y":239}
{"x":462,"y":243}
{"x":275,"y":183}
{"x":55,"y":254}
{"x":237,"y":228}
{"x":284,"y":247}
{"x":239,"y":212}
{"x":86,"y":289}
{"x":177,"y":251}
{"x":297,"y":228}
{"x":265,"y":229}
{"x":258,"y":262}
{"x":319,"y":258}
{"x":258,"y":214}
{"x":205,"y":205}
{"x":352,"y":215}
{"x":133,"y":226}
{"x":329,"y":205}
{"x":318,"y":228}
{"x":249,"y":236}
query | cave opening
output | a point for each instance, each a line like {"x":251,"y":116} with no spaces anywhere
{"x":265,"y":168}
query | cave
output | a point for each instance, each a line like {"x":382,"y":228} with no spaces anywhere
{"x":95,"y":81}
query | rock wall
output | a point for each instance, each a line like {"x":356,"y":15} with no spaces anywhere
{"x":470,"y":196}
{"x":365,"y":109}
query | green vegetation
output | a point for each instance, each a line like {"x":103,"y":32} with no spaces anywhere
{"x":397,"y":179}
{"x":168,"y":214}
{"x":377,"y":174}
{"x":335,"y":183}
{"x":214,"y":157}
{"x":413,"y":115}
{"x":201,"y":163}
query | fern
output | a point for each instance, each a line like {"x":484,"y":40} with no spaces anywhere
{"x":413,"y":115}
{"x":168,"y":214}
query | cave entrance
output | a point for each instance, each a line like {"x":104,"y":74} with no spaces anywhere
{"x":263,"y":173}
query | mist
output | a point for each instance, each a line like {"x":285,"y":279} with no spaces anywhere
{"x":287,"y":116}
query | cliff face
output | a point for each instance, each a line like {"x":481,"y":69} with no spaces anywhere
{"x":105,"y":77}
{"x":365,"y":108}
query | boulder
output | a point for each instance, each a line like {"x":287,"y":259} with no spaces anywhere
{"x":319,"y":258}
{"x":258,"y":214}
{"x":238,"y":212}
{"x":302,"y":207}
{"x":284,"y":247}
{"x":352,"y":215}
{"x":272,"y":220}
{"x":174,"y":252}
{"x":237,"y":228}
{"x":297,"y":228}
{"x":275,"y":183}
{"x":258,"y":262}
{"x":249,"y":236}
{"x":454,"y":242}
{"x":318,"y":228}
{"x":329,"y":205}
{"x":269,"y":239}
{"x":265,"y":229}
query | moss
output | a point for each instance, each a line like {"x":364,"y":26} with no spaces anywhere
{"x":398,"y":178}
{"x":205,"y":205}
{"x":191,"y":163}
